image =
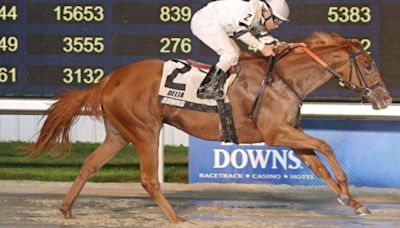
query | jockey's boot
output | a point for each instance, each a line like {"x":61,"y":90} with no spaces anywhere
{"x":212,"y":87}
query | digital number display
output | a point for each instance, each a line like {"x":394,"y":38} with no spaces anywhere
{"x":50,"y":46}
{"x":332,"y":14}
{"x":8,"y":75}
{"x":45,"y":13}
{"x":349,"y":14}
{"x":79,"y":13}
{"x":152,"y":45}
{"x":8,"y":13}
{"x":64,"y":44}
{"x":63,"y":75}
{"x":8,"y":44}
{"x":145,"y":13}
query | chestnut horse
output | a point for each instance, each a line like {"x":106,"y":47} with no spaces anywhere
{"x":129,"y":104}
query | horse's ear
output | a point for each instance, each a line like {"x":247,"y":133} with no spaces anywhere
{"x":355,"y":41}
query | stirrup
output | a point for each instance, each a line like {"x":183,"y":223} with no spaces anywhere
{"x":212,"y":85}
{"x":209,"y":93}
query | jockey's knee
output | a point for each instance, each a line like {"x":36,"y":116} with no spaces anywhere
{"x":227,"y":60}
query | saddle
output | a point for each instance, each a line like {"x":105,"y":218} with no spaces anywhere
{"x":200,"y":65}
{"x":206,"y":67}
{"x":179,"y":83}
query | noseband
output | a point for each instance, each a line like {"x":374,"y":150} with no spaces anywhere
{"x":363,"y":88}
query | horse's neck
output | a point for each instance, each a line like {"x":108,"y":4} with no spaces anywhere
{"x":304,"y":74}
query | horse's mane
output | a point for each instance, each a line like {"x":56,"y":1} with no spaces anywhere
{"x":321,"y":39}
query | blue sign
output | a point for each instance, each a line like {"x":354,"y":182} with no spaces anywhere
{"x":368,"y":151}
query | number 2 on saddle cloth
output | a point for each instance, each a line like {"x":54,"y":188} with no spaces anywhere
{"x":179,"y":92}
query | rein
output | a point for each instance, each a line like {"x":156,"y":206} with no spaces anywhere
{"x":267,"y":80}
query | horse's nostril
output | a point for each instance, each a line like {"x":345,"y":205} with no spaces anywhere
{"x":386,"y":99}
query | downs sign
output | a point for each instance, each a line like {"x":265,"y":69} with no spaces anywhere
{"x":367,"y":151}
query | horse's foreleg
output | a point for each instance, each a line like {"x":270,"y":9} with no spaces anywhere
{"x":295,"y":138}
{"x":309,"y":157}
{"x":148,"y":152}
{"x":107,"y":150}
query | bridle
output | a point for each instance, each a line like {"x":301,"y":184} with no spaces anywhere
{"x":363,"y":88}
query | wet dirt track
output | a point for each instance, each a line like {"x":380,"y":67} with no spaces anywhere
{"x":35,"y":204}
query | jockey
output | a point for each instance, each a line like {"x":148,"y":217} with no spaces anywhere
{"x":220,"y":20}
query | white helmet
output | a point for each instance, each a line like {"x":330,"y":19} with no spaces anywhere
{"x":279,"y":8}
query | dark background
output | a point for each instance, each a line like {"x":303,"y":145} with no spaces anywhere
{"x":132,"y":30}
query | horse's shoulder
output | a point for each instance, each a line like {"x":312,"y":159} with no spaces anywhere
{"x":248,"y":56}
{"x":252,"y":62}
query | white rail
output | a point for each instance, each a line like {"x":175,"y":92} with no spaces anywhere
{"x":349,"y":110}
{"x":309,"y":109}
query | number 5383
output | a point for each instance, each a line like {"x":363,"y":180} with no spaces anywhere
{"x":349,"y":14}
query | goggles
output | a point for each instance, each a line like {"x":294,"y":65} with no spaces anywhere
{"x":276,"y":20}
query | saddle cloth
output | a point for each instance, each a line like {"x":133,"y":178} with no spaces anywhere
{"x":179,"y":84}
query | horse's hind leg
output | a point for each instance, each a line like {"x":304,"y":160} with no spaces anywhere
{"x":309,"y":157}
{"x":113,"y":143}
{"x":145,"y":137}
{"x":148,"y":153}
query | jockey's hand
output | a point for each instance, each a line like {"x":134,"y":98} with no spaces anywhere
{"x":268,"y":50}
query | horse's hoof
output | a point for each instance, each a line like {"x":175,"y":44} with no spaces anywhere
{"x":343,"y":199}
{"x":181,"y":219}
{"x":362,"y":211}
{"x":66,"y":213}
{"x":177,"y":219}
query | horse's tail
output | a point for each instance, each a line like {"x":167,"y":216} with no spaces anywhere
{"x":54,"y":135}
